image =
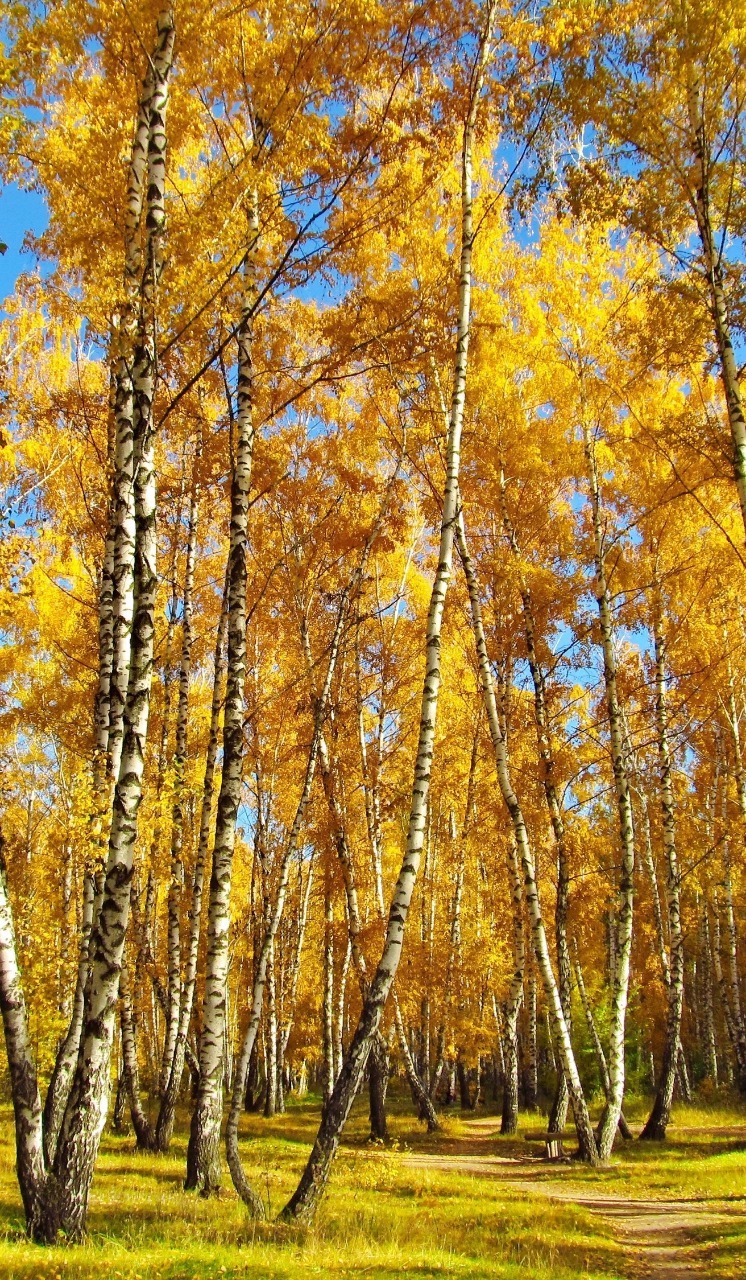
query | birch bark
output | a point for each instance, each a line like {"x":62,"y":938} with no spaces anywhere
{"x":598,"y":1049}
{"x":30,"y":1163}
{"x":88,"y":1101}
{"x":623,"y":930}
{"x":586,"y":1139}
{"x":509,"y":1118}
{"x":302,"y":1204}
{"x":660,"y":1114}
{"x":558,"y":1112}
{"x":67,"y":1055}
{"x":703,"y":165}
{"x":176,"y":886}
{"x":321,"y":703}
{"x":203,"y":1157}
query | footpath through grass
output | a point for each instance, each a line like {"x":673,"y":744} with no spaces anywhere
{"x":382,"y":1217}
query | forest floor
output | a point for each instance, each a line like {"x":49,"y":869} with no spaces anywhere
{"x":462,"y":1203}
{"x":660,"y":1236}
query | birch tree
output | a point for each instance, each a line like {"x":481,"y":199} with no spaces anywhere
{"x":303,"y":1202}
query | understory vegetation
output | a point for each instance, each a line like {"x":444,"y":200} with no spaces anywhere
{"x":384,"y":1217}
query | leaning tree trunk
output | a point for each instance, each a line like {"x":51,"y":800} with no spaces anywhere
{"x":509,"y":1119}
{"x":586,"y":1139}
{"x":623,"y":932}
{"x":558,"y":1114}
{"x":203,"y":1157}
{"x":713,"y":263}
{"x":661,"y":1112}
{"x":167,"y":1110}
{"x":598,"y":1049}
{"x":321,"y":703}
{"x":423,"y":1097}
{"x":302,"y":1204}
{"x":176,"y":885}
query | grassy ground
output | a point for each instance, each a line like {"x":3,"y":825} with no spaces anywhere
{"x":382,"y":1218}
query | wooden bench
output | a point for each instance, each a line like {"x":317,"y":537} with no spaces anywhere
{"x":553,"y":1148}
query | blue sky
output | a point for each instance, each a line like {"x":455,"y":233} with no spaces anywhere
{"x":20,"y":211}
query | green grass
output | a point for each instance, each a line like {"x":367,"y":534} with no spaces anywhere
{"x":382,"y":1217}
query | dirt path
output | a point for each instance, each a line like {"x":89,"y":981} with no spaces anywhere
{"x":661,"y":1238}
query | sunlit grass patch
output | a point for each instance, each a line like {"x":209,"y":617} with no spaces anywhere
{"x":383,"y":1216}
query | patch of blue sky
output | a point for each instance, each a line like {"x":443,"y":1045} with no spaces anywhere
{"x":22,"y":214}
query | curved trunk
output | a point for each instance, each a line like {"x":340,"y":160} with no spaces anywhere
{"x":623,"y":931}
{"x":321,"y":703}
{"x":661,"y":1112}
{"x":509,"y":1120}
{"x":561,"y":1035}
{"x":203,"y":1157}
{"x":558,"y":1114}
{"x":167,"y":1110}
{"x":302,"y":1204}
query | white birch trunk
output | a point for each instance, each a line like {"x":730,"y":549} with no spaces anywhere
{"x":703,"y":165}
{"x":541,"y":948}
{"x":30,"y":1163}
{"x":509,"y":1037}
{"x":203,"y":1159}
{"x":303,"y":1202}
{"x":623,"y":931}
{"x":659,"y":1116}
{"x":176,"y":886}
{"x":85,"y":1113}
{"x":321,"y":702}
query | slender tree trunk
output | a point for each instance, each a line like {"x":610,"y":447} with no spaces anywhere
{"x":509,"y":1120}
{"x":603,"y":1069}
{"x":718,"y":303}
{"x":731,"y":937}
{"x":302,"y":1204}
{"x":304,"y":898}
{"x":708,"y":1020}
{"x":85,"y":1113}
{"x":320,"y":708}
{"x":67,"y":1054}
{"x":328,"y":1001}
{"x":660,"y":1114}
{"x":583,"y":1125}
{"x":270,"y":1097}
{"x":176,"y":886}
{"x":558,"y":1114}
{"x":532,"y":1057}
{"x":167,"y":1110}
{"x":722,"y":984}
{"x":30,"y":1164}
{"x":378,"y":1067}
{"x":141,"y":1124}
{"x":338,"y":1038}
{"x":203,"y":1157}
{"x":422,"y":1096}
{"x":623,"y":936}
